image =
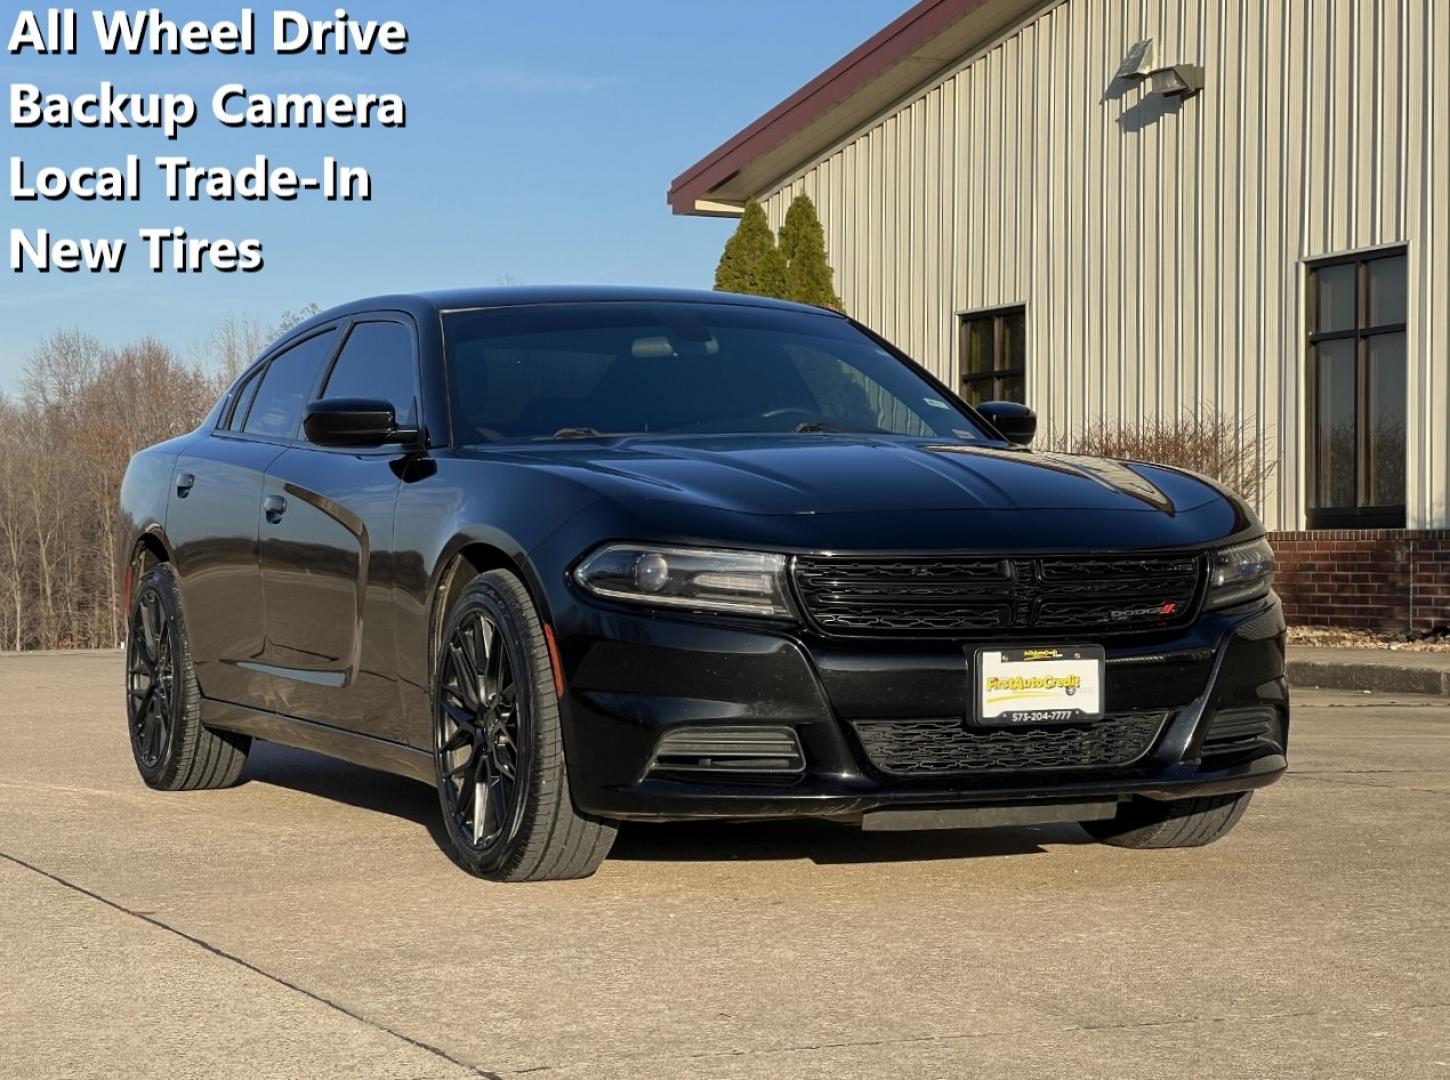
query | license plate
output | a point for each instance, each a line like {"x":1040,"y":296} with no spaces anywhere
{"x":1039,"y":686}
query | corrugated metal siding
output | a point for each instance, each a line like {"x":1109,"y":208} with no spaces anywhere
{"x":1159,"y":244}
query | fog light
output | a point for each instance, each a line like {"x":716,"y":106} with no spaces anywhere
{"x":729,"y":749}
{"x":1179,"y":80}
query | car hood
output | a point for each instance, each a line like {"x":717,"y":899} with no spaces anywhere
{"x":849,"y":474}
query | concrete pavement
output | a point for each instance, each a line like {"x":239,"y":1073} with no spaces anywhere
{"x":306,"y":924}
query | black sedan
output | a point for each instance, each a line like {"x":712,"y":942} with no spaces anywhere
{"x":577,"y":556}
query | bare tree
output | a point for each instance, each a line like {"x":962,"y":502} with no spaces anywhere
{"x":291,"y":318}
{"x":235,"y":343}
{"x":65,"y":440}
{"x":12,"y":526}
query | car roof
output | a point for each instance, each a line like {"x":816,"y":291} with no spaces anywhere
{"x":430,"y":304}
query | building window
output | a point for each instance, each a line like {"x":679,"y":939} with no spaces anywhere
{"x":994,"y":356}
{"x":1357,"y":394}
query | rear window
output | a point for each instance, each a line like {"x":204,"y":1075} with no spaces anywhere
{"x":243,"y":401}
{"x":576,"y":370}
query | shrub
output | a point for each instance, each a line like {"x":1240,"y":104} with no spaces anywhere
{"x":808,"y":275}
{"x":1222,"y":447}
{"x":751,"y":263}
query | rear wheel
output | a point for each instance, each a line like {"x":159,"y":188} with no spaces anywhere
{"x":1151,"y":823}
{"x":173,"y":751}
{"x":498,"y":747}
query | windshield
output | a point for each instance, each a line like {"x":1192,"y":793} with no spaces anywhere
{"x":559,"y":371}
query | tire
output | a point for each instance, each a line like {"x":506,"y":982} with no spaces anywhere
{"x":1179,"y":823}
{"x":498,"y":746}
{"x":173,"y":750}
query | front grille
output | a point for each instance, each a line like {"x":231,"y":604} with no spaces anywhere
{"x":945,"y":746}
{"x":976,"y":596}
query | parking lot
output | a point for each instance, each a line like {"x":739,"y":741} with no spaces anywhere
{"x":307,"y":924}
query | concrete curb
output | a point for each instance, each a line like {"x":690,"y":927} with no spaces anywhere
{"x":1385,"y":678}
{"x":10,"y":654}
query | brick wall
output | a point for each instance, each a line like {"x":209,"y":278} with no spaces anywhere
{"x":1372,"y":579}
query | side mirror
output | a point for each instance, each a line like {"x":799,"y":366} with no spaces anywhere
{"x":354,"y":422}
{"x":1017,"y":423}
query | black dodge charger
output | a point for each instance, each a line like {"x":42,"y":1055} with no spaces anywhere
{"x":578,"y":556}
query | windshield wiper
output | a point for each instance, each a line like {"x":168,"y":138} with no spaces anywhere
{"x":590,"y":433}
{"x":823,"y":427}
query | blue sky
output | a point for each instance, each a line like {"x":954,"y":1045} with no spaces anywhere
{"x":541,"y":139}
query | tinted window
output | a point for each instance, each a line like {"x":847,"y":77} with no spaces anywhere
{"x":287,"y":387}
{"x":1359,"y":404}
{"x":243,"y":401}
{"x":377,"y":362}
{"x":994,"y":356}
{"x":849,"y":398}
{"x":569,"y":370}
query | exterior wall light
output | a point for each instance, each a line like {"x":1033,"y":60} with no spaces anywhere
{"x":1177,"y":80}
{"x":1137,"y":64}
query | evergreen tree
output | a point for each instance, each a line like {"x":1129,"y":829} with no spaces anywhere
{"x":808,"y":275}
{"x":752,"y":264}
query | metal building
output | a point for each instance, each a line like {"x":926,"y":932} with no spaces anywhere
{"x":1113,"y":209}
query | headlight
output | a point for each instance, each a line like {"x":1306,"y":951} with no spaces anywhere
{"x":1239,"y":573}
{"x":737,"y":582}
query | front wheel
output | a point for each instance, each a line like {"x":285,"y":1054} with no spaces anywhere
{"x":498,"y":744}
{"x":1176,"y":823}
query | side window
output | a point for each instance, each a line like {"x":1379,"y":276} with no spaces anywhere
{"x":378,"y":361}
{"x":994,"y":356}
{"x":287,"y":386}
{"x":243,"y":403}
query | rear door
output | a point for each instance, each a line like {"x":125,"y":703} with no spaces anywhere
{"x":327,"y":548}
{"x":212,"y":522}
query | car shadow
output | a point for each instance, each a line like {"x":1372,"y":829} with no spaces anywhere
{"x":821,"y":842}
{"x":352,"y":785}
{"x":828,"y":843}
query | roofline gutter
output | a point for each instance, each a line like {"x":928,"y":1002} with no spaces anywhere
{"x":690,"y":193}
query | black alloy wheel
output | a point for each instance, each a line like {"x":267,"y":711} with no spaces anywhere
{"x":498,"y":741}
{"x":174,"y":750}
{"x":150,"y":679}
{"x":482,"y":734}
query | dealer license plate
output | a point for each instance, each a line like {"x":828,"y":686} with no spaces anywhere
{"x":1039,"y":686}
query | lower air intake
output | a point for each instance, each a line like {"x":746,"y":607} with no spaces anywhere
{"x":937,"y":747}
{"x":1237,"y":731}
{"x":729,"y":750}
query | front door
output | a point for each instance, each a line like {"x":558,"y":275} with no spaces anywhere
{"x":327,"y":536}
{"x":327,"y":550}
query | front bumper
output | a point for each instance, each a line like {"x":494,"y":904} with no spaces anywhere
{"x":633,"y":676}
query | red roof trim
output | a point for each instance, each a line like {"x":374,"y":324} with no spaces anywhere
{"x":912,"y":30}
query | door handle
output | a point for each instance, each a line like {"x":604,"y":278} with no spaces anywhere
{"x":274,"y":506}
{"x":184,"y":481}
